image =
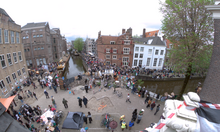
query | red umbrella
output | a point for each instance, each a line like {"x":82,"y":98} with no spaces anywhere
{"x":113,"y":124}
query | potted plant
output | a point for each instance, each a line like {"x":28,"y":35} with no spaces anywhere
{"x":99,"y":83}
{"x":139,"y":83}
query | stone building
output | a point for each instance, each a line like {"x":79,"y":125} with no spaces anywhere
{"x":90,"y":45}
{"x":13,"y":69}
{"x":116,"y":50}
{"x":42,"y":45}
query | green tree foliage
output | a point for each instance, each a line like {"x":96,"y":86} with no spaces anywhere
{"x":189,"y":26}
{"x":136,"y":36}
{"x":78,"y":44}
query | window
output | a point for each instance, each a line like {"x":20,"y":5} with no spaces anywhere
{"x":54,"y":40}
{"x":56,"y":56}
{"x":0,"y":36}
{"x":44,"y":60}
{"x":8,"y":79}
{"x":24,"y":37}
{"x":112,"y":42}
{"x":27,"y":37}
{"x":161,"y":52}
{"x":33,"y":30}
{"x":137,"y":49}
{"x":14,"y":76}
{"x":126,"y":50}
{"x":108,"y":63}
{"x":34,"y":36}
{"x":160,"y":62}
{"x":114,"y":50}
{"x":140,"y":62}
{"x":40,"y":30}
{"x":156,"y":52}
{"x":41,"y":35}
{"x":107,"y":50}
{"x":2,"y":59}
{"x":15,"y":57}
{"x":127,"y":42}
{"x":19,"y":73}
{"x":141,"y":56}
{"x":23,"y":70}
{"x":6,"y":36}
{"x":149,"y":51}
{"x":38,"y":35}
{"x":19,"y":56}
{"x":149,"y":41}
{"x":9,"y":59}
{"x":27,"y":63}
{"x":12,"y":37}
{"x":108,"y":57}
{"x":142,"y":49}
{"x":42,"y":48}
{"x":25,"y":50}
{"x":54,"y":48}
{"x":114,"y":57}
{"x":2,"y":85}
{"x":136,"y":55}
{"x":135,"y":62}
{"x":148,"y":62}
{"x":38,"y":48}
{"x":125,"y":61}
{"x":17,"y":37}
{"x":155,"y":62}
{"x":35,"y":48}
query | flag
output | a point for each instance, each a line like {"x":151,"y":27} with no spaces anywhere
{"x":207,"y":119}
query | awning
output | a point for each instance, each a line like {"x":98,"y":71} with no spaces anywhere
{"x":7,"y":101}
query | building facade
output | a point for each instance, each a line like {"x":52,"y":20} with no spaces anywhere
{"x":13,"y":67}
{"x":116,"y":50}
{"x":149,"y":53}
{"x":90,"y":46}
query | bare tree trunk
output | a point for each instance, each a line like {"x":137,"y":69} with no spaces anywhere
{"x":188,"y":74}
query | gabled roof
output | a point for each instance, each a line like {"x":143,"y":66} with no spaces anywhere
{"x":151,"y":33}
{"x":155,"y":41}
{"x":34,"y":25}
{"x":2,"y":11}
{"x":52,"y":31}
{"x":107,"y":39}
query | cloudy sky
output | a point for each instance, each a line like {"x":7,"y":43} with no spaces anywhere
{"x":82,"y":18}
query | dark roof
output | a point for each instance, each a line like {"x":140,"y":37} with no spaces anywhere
{"x":156,"y":41}
{"x":32,"y":25}
{"x":2,"y":11}
{"x":9,"y":124}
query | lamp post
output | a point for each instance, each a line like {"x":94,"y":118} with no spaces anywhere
{"x":210,"y":91}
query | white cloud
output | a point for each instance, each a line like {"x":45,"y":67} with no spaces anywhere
{"x":87,"y":17}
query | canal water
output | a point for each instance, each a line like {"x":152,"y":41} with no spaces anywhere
{"x":75,"y":66}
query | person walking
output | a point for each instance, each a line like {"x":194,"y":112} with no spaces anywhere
{"x":85,"y":101}
{"x":54,"y":88}
{"x":140,"y":115}
{"x":153,"y":105}
{"x":86,"y":88}
{"x":131,"y":124}
{"x":46,"y":94}
{"x":80,"y":101}
{"x":54,"y":103}
{"x":122,"y":118}
{"x":147,"y":98}
{"x":65,"y":103}
{"x":35,"y":95}
{"x":128,"y":98}
{"x":27,"y":93}
{"x":85,"y":118}
{"x":85,"y":81}
{"x":34,"y":85}
{"x":90,"y":117}
{"x":20,"y":98}
{"x":134,"y":115}
{"x":157,"y":109}
{"x":149,"y":103}
{"x":39,"y":109}
{"x":30,"y":93}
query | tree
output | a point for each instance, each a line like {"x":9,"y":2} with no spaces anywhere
{"x":78,"y":44}
{"x":136,"y":36}
{"x":189,"y":26}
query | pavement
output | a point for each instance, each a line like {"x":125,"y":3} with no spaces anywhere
{"x":114,"y":106}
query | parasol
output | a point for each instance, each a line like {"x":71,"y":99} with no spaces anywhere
{"x":113,"y":124}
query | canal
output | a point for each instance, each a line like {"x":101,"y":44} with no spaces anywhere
{"x":75,"y":66}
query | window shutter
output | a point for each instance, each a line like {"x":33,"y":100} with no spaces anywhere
{"x":121,"y":63}
{"x":122,"y":41}
{"x":117,"y":51}
{"x":131,"y":42}
{"x":130,"y":52}
{"x":122,"y":52}
{"x":105,"y":50}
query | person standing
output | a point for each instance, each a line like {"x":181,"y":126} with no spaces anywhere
{"x":134,"y":115}
{"x":128,"y":98}
{"x":131,"y":124}
{"x":90,"y":117}
{"x":85,"y":101}
{"x":80,"y":101}
{"x":29,"y":92}
{"x":35,"y":95}
{"x":84,"y":118}
{"x":54,"y":103}
{"x":147,"y":98}
{"x":34,"y":85}
{"x":157,"y":109}
{"x":85,"y":81}
{"x":86,"y":88}
{"x":122,"y":118}
{"x":140,"y":116}
{"x":39,"y":109}
{"x":54,"y":88}
{"x":46,"y":94}
{"x":149,"y":103}
{"x":21,"y":99}
{"x":65,"y":103}
{"x":123,"y":125}
{"x":153,"y":105}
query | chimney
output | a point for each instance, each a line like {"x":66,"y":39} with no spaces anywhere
{"x":144,"y":35}
{"x":123,"y":31}
{"x":99,"y":34}
{"x":130,"y":31}
{"x":156,"y":34}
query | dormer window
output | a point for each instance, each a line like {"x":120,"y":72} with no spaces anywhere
{"x":112,"y":42}
{"x":149,"y":41}
{"x":126,"y":37}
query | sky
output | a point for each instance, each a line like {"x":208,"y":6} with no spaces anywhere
{"x":85,"y":18}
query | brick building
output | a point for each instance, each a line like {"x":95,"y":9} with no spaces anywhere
{"x":116,"y":50}
{"x":42,"y":45}
{"x":13,"y":67}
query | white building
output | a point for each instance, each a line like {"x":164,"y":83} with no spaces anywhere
{"x":149,"y":53}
